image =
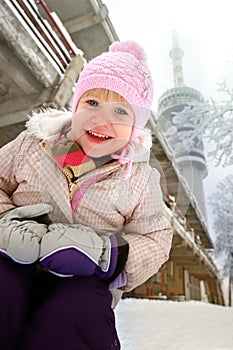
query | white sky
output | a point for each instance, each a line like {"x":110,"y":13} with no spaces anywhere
{"x":205,"y":34}
{"x":168,"y":325}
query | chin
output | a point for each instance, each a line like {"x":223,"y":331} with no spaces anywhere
{"x":93,"y":154}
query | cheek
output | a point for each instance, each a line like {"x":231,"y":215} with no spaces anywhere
{"x":124,"y":132}
{"x":76,"y":125}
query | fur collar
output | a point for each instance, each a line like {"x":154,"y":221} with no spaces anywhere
{"x":47,"y":123}
{"x":51,"y":122}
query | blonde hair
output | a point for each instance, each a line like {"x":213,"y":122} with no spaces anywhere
{"x":105,"y":94}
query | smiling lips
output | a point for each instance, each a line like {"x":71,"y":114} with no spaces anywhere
{"x":97,"y":136}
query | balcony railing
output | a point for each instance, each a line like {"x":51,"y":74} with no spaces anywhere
{"x":48,"y":33}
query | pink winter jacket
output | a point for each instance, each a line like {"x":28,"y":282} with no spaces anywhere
{"x":133,"y":207}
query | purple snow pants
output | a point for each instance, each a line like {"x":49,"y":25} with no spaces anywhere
{"x":40,"y":311}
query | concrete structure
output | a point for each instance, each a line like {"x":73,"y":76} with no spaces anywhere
{"x":189,"y":158}
{"x":42,"y":46}
{"x":190,"y":273}
{"x":40,"y":60}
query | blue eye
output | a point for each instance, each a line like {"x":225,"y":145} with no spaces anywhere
{"x":93,"y":103}
{"x":120,"y":111}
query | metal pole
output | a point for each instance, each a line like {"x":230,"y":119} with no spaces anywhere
{"x":230,"y":280}
{"x":42,"y":3}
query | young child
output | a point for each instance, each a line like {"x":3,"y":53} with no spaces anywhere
{"x":82,"y":213}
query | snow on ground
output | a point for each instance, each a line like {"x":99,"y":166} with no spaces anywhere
{"x":166,"y":325}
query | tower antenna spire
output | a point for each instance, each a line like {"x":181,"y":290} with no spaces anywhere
{"x":176,"y":55}
{"x":189,"y":157}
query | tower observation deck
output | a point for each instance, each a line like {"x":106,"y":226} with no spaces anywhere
{"x":189,"y":158}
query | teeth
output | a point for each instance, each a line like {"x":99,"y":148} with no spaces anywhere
{"x":98,"y":135}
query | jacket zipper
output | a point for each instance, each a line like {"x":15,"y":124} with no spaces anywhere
{"x":71,"y":185}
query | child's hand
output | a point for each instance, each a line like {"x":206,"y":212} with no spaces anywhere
{"x":21,"y":234}
{"x":69,"y":250}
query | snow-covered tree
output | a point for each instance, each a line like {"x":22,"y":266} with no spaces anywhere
{"x":221,"y":202}
{"x":214,"y":121}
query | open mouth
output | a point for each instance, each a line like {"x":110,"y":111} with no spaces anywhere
{"x":97,"y":137}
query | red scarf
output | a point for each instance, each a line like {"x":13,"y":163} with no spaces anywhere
{"x":71,"y":158}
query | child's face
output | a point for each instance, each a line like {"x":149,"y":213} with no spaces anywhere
{"x":102,"y":125}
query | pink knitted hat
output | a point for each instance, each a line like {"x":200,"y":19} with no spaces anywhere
{"x":124,"y":70}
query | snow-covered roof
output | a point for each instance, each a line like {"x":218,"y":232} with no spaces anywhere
{"x":174,"y":184}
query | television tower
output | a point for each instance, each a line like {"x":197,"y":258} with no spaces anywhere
{"x":189,"y":157}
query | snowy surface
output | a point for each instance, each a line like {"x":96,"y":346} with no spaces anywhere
{"x":166,"y":325}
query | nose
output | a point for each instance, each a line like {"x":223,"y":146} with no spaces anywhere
{"x":102,"y":116}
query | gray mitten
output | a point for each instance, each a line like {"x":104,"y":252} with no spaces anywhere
{"x":20,"y":233}
{"x":75,"y":249}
